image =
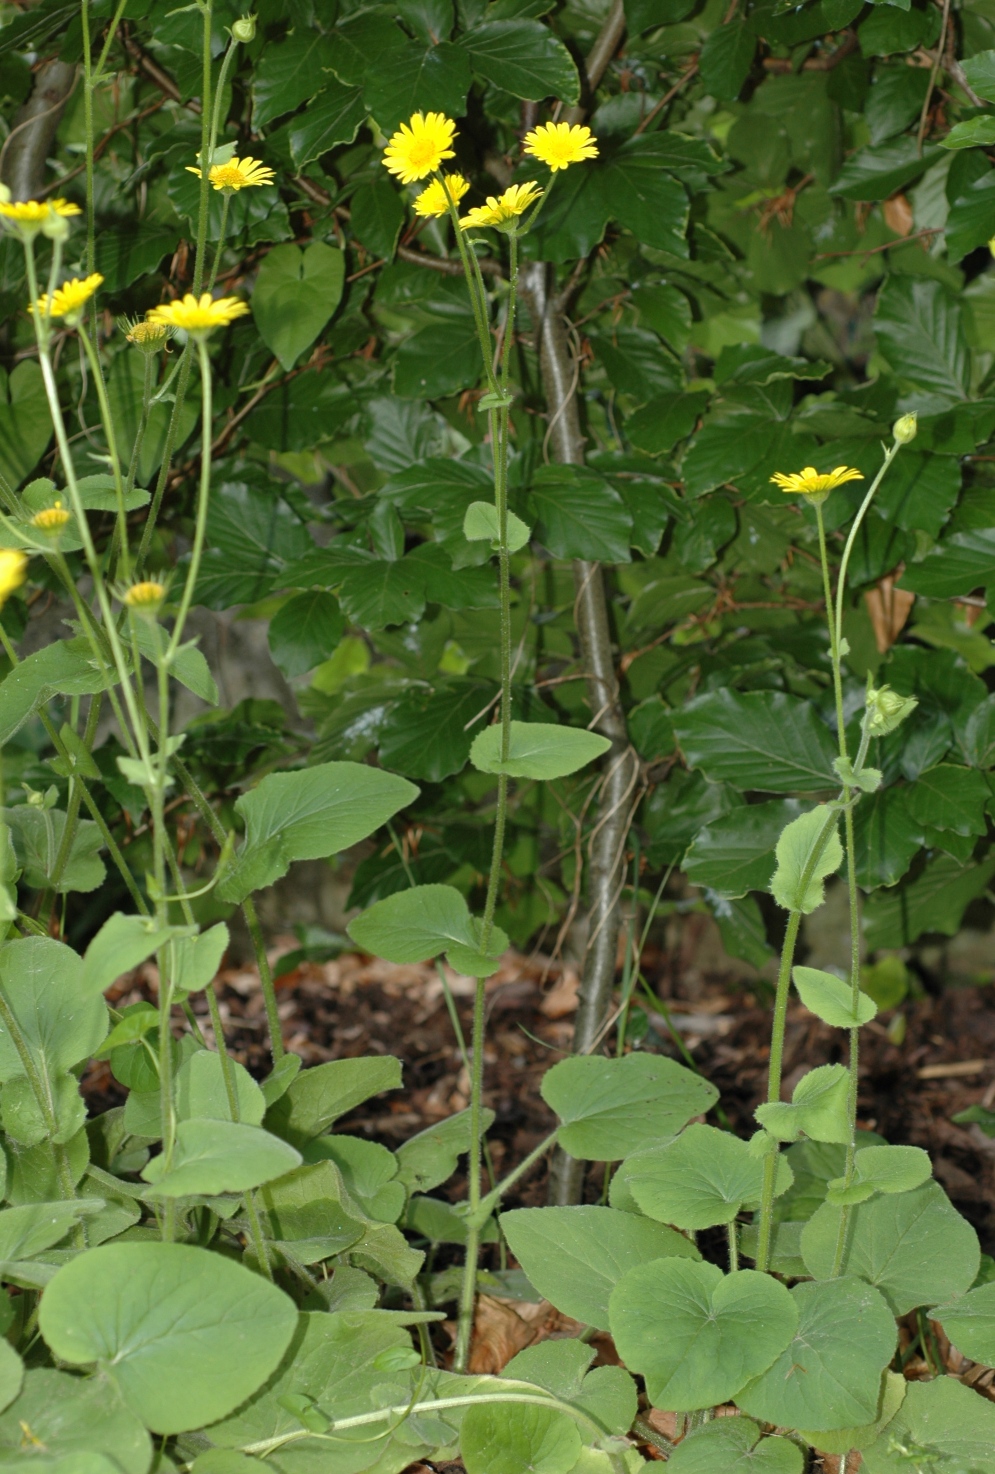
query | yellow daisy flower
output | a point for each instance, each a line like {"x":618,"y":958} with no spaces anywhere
{"x":13,"y":571}
{"x":508,"y":206}
{"x":36,"y":212}
{"x":236,"y":174}
{"x":198,"y":317}
{"x":419,"y":147}
{"x":813,"y":484}
{"x":148,"y":594}
{"x":51,"y":519}
{"x":68,"y":300}
{"x":561,"y":144}
{"x":432,"y":201}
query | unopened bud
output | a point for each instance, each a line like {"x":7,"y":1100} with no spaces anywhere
{"x":905,"y":428}
{"x":56,"y":228}
{"x":244,"y":29}
{"x":886,"y":710}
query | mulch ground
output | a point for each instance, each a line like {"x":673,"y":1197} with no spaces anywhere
{"x":354,"y":1006}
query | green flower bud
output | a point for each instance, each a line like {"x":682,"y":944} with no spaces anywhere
{"x":885,"y":710}
{"x":244,"y":29}
{"x":905,"y":429}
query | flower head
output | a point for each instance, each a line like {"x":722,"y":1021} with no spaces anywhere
{"x":236,"y":174}
{"x":13,"y":571}
{"x":418,"y":148}
{"x":813,"y":484}
{"x":145,"y":596}
{"x":432,"y":200}
{"x":498,"y":211}
{"x":149,"y":336}
{"x":68,"y":300}
{"x":885,"y":710}
{"x":31,"y":215}
{"x":198,"y":316}
{"x":905,"y":428}
{"x":51,"y":519}
{"x":561,"y":144}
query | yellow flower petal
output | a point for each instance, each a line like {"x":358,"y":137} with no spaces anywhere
{"x":418,"y":148}
{"x":36,"y":212}
{"x":69,"y":298}
{"x":561,"y":144}
{"x":811,"y":483}
{"x":198,"y":316}
{"x":236,"y":174}
{"x":500,"y":209}
{"x":13,"y":571}
{"x":432,"y":201}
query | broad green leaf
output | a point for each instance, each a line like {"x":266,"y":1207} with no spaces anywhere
{"x":957,"y":565}
{"x":695,"y":1334}
{"x":61,"y":1027}
{"x":934,"y":901}
{"x":762,"y":740}
{"x":428,"y":731}
{"x":369,"y":1172}
{"x":217,"y":1156}
{"x":426,"y":1160}
{"x":25,"y":423}
{"x":317,"y":1097}
{"x":305,"y":631}
{"x":886,"y":837}
{"x":522,"y":57}
{"x":309,"y":815}
{"x":576,"y":1256}
{"x":970,"y":1323}
{"x":914,"y":1246}
{"x":702,"y":1178}
{"x":415,"y":79}
{"x":646,"y":199}
{"x":949,"y":797}
{"x":385,"y":1252}
{"x":734,"y":853}
{"x":71,"y":1419}
{"x":608,"y":1393}
{"x":726,"y":58}
{"x":37,"y":837}
{"x":335,"y":1363}
{"x":413,"y":925}
{"x":807,"y":851}
{"x":295,"y":294}
{"x":579,"y":515}
{"x":289,"y":74}
{"x":941,"y":1425}
{"x":333,"y":117}
{"x":881,"y":1169}
{"x":185,"y":1335}
{"x":972,"y":133}
{"x":919,"y":330}
{"x":377,"y":216}
{"x":980,"y":73}
{"x":11,"y":1375}
{"x":875,"y":173}
{"x":611,"y":1107}
{"x":507,"y":1440}
{"x":31,"y":1228}
{"x":443,"y":357}
{"x":200,"y":1091}
{"x":734,"y":1445}
{"x":841,"y":1441}
{"x":482,"y":523}
{"x":306,"y":1209}
{"x":829,"y":1374}
{"x":195,"y":960}
{"x":659,"y":425}
{"x":971,"y":222}
{"x":831,"y":999}
{"x":120,"y":944}
{"x":190,"y":666}
{"x":818,"y":1108}
{"x":537,"y":750}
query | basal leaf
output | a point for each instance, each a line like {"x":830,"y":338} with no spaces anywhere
{"x":610,"y":1107}
{"x":576,"y":1256}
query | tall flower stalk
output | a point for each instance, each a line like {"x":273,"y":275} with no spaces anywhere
{"x":417,"y":151}
{"x":815,"y":487}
